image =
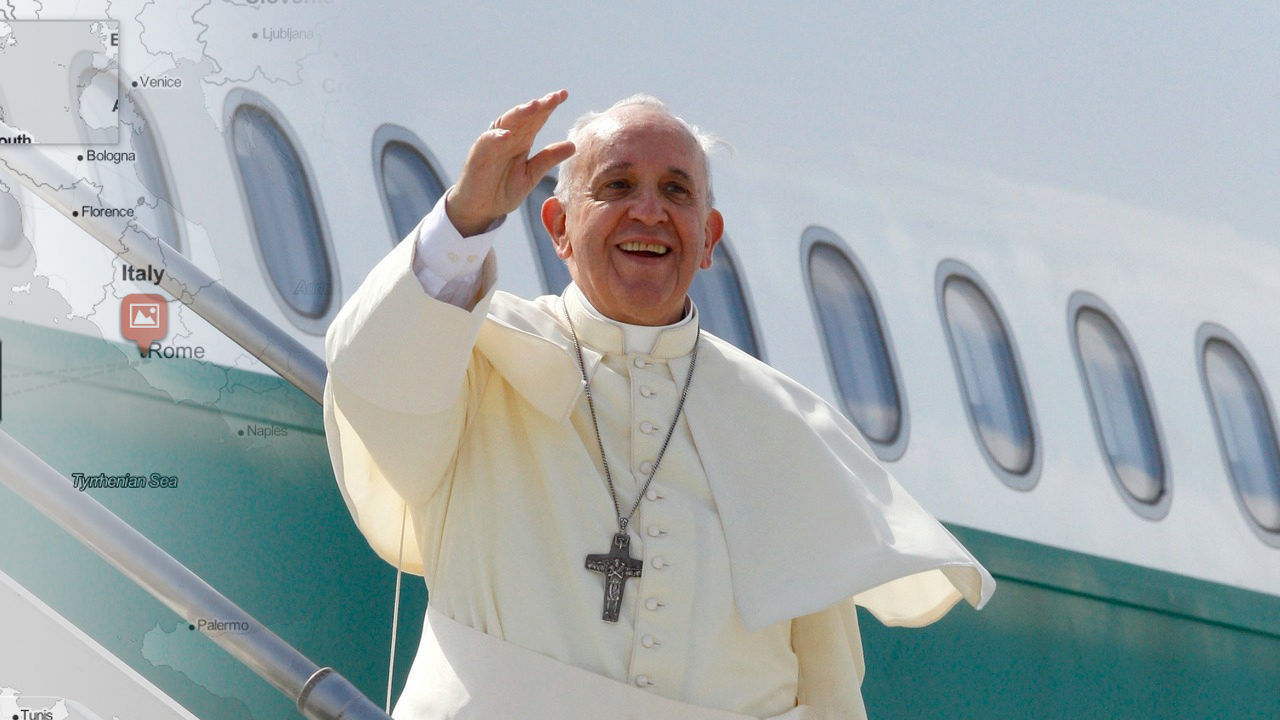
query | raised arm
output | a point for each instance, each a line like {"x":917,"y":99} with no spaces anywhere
{"x":401,"y":369}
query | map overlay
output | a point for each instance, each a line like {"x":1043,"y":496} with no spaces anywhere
{"x":114,"y":121}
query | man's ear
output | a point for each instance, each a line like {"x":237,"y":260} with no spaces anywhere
{"x":553,"y":219}
{"x":714,"y":229}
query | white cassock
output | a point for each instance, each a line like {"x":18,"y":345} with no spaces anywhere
{"x":767,"y":516}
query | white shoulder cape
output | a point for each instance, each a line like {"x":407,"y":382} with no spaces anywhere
{"x":809,"y":516}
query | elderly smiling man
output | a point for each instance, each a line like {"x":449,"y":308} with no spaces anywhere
{"x":618,"y":515}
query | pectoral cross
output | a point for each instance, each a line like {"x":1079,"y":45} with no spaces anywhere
{"x":617,"y":566}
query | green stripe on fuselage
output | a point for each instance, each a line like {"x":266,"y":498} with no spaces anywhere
{"x":1068,"y":635}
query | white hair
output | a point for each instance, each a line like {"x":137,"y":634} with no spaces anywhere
{"x":567,"y":182}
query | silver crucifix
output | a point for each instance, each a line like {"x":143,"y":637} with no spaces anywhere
{"x":617,"y":566}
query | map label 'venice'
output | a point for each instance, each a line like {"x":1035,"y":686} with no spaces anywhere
{"x":162,"y":83}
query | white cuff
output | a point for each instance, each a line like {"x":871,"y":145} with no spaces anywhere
{"x":447,"y":264}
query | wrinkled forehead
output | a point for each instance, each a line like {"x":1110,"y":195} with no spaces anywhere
{"x":634,"y":133}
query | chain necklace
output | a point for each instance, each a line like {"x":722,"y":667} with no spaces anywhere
{"x":617,"y":565}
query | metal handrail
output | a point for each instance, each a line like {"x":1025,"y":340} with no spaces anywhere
{"x":320,"y":693}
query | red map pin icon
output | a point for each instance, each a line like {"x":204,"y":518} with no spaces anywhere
{"x":144,"y":318}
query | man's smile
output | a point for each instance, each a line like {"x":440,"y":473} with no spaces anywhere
{"x":644,"y":249}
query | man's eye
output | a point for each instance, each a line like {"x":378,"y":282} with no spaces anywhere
{"x":617,"y":185}
{"x":677,"y":188}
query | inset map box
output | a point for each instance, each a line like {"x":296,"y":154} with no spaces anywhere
{"x":59,"y":82}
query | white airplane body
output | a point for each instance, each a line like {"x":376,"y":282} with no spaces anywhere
{"x":922,"y":145}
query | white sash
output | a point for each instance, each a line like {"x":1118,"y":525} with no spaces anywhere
{"x":463,"y":674}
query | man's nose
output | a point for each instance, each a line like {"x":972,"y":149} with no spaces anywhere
{"x":647,"y":207}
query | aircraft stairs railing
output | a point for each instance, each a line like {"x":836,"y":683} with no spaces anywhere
{"x":320,"y":693}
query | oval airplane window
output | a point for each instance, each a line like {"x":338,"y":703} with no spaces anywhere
{"x":12,"y":241}
{"x":407,"y":178}
{"x":285,"y":219}
{"x":92,"y":92}
{"x":1246,"y":430}
{"x":139,"y":181}
{"x":11,"y":238}
{"x":555,"y":275}
{"x":856,"y":342}
{"x":1123,"y":419}
{"x":722,"y":303}
{"x":13,"y":248}
{"x":151,"y":173}
{"x":988,"y":372}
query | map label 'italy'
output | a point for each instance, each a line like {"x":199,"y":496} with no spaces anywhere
{"x":147,"y":274}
